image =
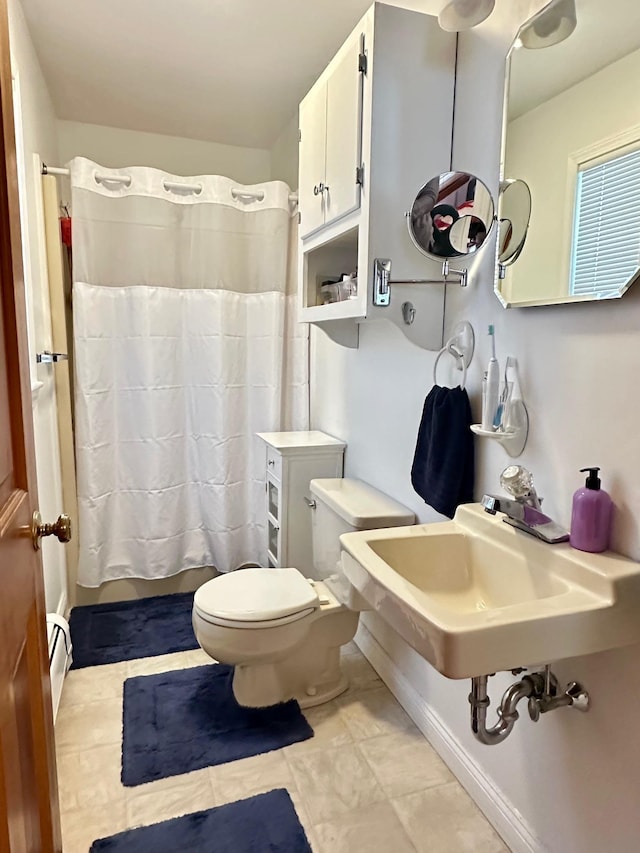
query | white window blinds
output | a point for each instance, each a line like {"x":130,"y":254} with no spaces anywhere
{"x":606,"y":237}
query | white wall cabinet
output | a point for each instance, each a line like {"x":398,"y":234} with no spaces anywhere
{"x":331,"y":140}
{"x":292,"y":460}
{"x":384,"y":106}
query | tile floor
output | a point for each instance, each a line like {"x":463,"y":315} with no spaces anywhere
{"x":368,"y":782}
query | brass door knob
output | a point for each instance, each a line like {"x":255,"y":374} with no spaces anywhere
{"x":60,"y":528}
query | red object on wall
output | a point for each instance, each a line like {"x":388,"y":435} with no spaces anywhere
{"x":65,"y":230}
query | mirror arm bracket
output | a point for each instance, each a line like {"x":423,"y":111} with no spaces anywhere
{"x":382,"y":280}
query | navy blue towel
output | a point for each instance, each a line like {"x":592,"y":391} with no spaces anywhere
{"x":443,"y":465}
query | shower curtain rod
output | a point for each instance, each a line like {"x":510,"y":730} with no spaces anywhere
{"x":258,"y":196}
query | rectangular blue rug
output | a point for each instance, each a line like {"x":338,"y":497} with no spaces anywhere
{"x":266,"y":823}
{"x":180,"y":721}
{"x":125,"y":630}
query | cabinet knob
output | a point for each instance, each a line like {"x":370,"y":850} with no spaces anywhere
{"x":319,"y":189}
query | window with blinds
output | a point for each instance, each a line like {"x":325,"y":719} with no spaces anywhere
{"x":606,"y":237}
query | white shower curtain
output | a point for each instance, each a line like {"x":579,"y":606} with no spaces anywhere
{"x":186,"y":345}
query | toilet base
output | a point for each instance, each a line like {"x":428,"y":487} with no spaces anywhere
{"x":310,"y":673}
{"x":325,"y":693}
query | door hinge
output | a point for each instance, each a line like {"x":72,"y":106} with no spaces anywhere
{"x":47,"y":357}
{"x":360,"y":176}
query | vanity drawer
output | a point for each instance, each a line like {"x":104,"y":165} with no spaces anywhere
{"x":274,"y":463}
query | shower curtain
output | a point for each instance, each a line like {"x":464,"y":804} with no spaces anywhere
{"x":186,"y":345}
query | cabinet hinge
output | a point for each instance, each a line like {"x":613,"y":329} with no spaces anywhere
{"x":299,"y":218}
{"x":299,"y":135}
{"x":362,"y":57}
{"x":360,"y":176}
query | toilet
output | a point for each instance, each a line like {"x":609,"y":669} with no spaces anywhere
{"x":281,"y":630}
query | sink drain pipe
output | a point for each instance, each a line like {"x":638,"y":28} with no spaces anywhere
{"x":541,"y":690}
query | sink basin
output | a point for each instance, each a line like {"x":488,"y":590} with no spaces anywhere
{"x":475,"y":596}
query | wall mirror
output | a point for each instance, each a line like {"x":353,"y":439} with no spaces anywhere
{"x":451,"y":216}
{"x":572,"y":139}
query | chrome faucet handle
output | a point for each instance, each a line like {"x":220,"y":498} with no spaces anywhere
{"x":518,"y":481}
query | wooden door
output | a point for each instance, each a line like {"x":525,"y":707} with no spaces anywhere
{"x":29,"y":818}
{"x":344,"y":132}
{"x":311,"y":176}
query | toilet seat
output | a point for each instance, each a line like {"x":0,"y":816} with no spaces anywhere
{"x":256,"y":598}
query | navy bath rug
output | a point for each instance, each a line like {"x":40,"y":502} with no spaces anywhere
{"x":267,"y":822}
{"x":184,"y":720}
{"x":124,"y":630}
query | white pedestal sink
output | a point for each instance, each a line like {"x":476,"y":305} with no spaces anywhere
{"x":475,"y":596}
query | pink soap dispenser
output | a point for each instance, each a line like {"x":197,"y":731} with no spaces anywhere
{"x":591,"y":516}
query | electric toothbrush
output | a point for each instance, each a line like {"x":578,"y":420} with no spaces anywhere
{"x":490,"y":402}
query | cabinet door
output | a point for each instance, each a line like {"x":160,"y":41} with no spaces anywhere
{"x":313,"y":133}
{"x":344,"y":133}
{"x":273,"y":542}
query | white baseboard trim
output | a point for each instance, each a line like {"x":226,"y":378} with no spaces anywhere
{"x":491,"y":801}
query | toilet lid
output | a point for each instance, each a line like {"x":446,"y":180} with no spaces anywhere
{"x":256,"y":595}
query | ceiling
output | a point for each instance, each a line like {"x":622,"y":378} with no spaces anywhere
{"x":229,"y":71}
{"x":607,"y":30}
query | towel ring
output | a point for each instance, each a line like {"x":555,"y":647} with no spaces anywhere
{"x":459,"y":357}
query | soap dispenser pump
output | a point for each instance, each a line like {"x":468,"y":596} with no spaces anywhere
{"x":591,"y":515}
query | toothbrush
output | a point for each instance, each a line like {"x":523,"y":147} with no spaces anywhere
{"x":493,"y":386}
{"x":504,"y":395}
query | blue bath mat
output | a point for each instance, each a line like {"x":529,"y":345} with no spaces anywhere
{"x":124,"y":630}
{"x":180,"y":721}
{"x":267,"y":823}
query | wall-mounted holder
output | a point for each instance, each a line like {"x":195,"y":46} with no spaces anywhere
{"x":514,"y":437}
{"x":382,"y":280}
{"x":408,"y":313}
{"x":461,"y":345}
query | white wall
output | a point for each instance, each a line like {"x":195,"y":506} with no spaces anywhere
{"x":284,"y":155}
{"x":539,"y":146}
{"x":573,"y":779}
{"x":115,"y":147}
{"x":39,"y":136}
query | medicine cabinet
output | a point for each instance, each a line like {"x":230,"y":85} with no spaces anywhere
{"x":377,"y":122}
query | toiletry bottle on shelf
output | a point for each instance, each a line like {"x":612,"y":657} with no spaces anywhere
{"x":490,"y":403}
{"x":591,"y":515}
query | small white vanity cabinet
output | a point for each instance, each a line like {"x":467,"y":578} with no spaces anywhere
{"x":292,"y":460}
{"x":374,"y":128}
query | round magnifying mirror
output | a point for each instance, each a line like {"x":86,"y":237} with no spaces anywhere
{"x":514,"y":215}
{"x":451,"y":216}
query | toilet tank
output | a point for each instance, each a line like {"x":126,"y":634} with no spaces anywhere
{"x":342,"y":506}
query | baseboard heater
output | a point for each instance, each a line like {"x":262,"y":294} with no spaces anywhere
{"x":60,"y":655}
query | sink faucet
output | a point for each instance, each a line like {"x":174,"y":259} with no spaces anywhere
{"x":522,"y":510}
